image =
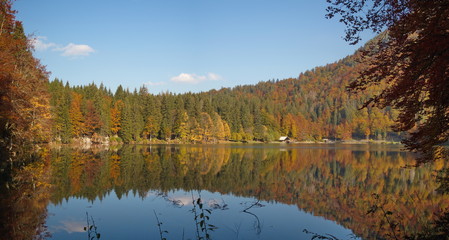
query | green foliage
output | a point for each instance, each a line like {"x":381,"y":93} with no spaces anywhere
{"x":201,"y":218}
{"x":60,"y":100}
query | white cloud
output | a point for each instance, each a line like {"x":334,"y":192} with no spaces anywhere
{"x":40,"y":45}
{"x":150,"y":83}
{"x":193,"y":78}
{"x":213,"y":76}
{"x":70,"y":50}
{"x":187,"y":78}
{"x":73,"y":50}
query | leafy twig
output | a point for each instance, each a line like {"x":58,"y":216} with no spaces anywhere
{"x":203,"y":217}
{"x":91,"y":229}
{"x":159,"y":224}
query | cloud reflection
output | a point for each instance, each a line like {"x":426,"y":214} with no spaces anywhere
{"x":69,"y":226}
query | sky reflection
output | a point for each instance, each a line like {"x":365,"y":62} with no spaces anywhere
{"x":132,"y":217}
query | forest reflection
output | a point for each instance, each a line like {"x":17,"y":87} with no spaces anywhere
{"x":25,"y":193}
{"x":337,"y":183}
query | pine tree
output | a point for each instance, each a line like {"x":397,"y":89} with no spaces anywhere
{"x":167,"y":111}
{"x":60,"y":103}
{"x":126,"y":128}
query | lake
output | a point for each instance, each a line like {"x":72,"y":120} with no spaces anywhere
{"x":261,"y":191}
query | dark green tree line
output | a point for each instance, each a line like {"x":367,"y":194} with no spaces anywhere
{"x":311,"y":107}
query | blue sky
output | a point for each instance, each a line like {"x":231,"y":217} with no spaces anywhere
{"x":181,"y":45}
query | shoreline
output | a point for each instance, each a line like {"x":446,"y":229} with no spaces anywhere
{"x":80,"y":144}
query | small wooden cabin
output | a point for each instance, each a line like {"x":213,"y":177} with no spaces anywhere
{"x":284,"y":139}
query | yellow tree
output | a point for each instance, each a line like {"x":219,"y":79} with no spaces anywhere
{"x":206,"y":126}
{"x":290,"y":126}
{"x":218,"y":127}
{"x":116,"y":118}
{"x":195,"y":133}
{"x":227,"y":130}
{"x":343,"y":131}
{"x":152,"y":126}
{"x":76,"y":116}
{"x":40,"y":118}
{"x":181,"y":125}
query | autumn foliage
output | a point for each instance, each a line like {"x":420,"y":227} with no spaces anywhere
{"x":338,"y":185}
{"x":409,"y":64}
{"x":24,"y":99}
{"x":312,"y":107}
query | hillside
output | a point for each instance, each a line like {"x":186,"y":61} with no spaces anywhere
{"x":311,"y":107}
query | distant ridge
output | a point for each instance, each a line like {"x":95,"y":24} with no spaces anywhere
{"x":313,"y":107}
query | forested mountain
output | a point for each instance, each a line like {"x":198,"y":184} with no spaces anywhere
{"x":311,"y":107}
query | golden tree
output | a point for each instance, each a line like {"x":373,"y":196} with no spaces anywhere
{"x":24,"y":100}
{"x":116,"y":113}
{"x":76,"y":116}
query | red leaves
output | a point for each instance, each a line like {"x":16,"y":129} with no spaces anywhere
{"x":410,"y":62}
{"x":22,"y":83}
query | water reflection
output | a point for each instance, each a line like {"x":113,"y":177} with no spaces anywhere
{"x":24,"y":196}
{"x":253,"y":191}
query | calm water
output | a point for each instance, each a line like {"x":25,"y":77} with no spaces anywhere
{"x":246,"y":191}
